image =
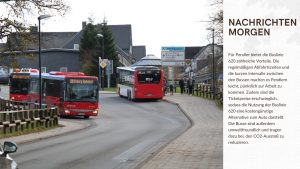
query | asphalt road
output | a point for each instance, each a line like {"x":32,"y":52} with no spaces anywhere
{"x":125,"y":134}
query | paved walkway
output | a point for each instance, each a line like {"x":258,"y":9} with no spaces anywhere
{"x":201,"y":146}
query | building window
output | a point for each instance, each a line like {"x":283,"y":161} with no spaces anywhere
{"x":63,"y":69}
{"x":43,"y":69}
{"x":76,"y":46}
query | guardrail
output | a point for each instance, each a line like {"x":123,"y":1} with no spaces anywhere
{"x":202,"y":90}
{"x":205,"y":90}
{"x":19,"y":116}
{"x":7,"y":105}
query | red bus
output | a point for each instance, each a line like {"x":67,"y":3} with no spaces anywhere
{"x":24,"y":85}
{"x":140,"y":82}
{"x":74,"y":93}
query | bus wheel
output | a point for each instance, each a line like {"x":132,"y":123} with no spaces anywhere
{"x":86,"y":117}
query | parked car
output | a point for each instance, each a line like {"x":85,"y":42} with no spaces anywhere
{"x":4,"y":77}
{"x":6,"y":162}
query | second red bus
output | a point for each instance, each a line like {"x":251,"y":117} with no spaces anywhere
{"x":141,"y":82}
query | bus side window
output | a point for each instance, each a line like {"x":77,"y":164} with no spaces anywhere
{"x":34,"y":86}
{"x":62,"y":92}
{"x":44,"y":86}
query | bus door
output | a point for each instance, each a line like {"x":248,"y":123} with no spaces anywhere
{"x":53,"y":92}
{"x":33,"y":93}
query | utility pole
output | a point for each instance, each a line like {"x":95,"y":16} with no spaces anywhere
{"x":213,"y":61}
{"x":40,"y":62}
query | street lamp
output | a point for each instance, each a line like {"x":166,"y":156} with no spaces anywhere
{"x":102,"y":37}
{"x":40,"y":71}
{"x":213,"y":60}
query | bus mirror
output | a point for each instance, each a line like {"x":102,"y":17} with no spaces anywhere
{"x":9,"y":147}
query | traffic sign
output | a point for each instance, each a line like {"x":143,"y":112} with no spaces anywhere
{"x":105,"y":60}
{"x":100,"y":60}
{"x":187,"y":62}
{"x":107,"y":68}
{"x":171,"y":54}
{"x":103,"y":64}
{"x":172,"y":63}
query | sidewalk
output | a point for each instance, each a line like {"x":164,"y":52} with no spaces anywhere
{"x":107,"y":92}
{"x":201,"y":146}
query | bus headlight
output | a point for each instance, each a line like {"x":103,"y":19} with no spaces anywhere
{"x":95,"y":112}
{"x":67,"y":111}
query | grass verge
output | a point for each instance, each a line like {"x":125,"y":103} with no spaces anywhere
{"x":111,"y":89}
{"x":26,"y":131}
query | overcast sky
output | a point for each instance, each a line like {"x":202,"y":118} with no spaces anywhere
{"x":155,"y":23}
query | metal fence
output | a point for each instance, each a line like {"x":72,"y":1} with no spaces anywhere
{"x":205,"y":90}
{"x":19,"y":116}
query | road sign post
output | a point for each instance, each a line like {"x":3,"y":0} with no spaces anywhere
{"x":108,"y":73}
{"x":103,"y":64}
{"x":99,"y":75}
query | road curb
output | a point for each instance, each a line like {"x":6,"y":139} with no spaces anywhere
{"x":183,"y":111}
{"x":168,"y":143}
{"x":107,"y":92}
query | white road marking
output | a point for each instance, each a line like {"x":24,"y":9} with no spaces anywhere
{"x":126,"y":155}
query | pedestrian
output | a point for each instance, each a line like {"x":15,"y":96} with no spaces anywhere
{"x":181,"y":85}
{"x":190,"y":86}
{"x":165,"y":86}
{"x":185,"y":85}
{"x":193,"y":84}
{"x":171,"y":88}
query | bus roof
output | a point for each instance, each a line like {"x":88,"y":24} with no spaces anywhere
{"x":66,"y":76}
{"x":26,"y":70}
{"x":129,"y":68}
{"x":29,"y":74}
{"x":67,"y":73}
{"x":53,"y":76}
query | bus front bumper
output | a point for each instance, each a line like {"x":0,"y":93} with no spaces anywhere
{"x":71,"y":112}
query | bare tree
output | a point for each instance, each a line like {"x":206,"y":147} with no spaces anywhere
{"x":216,"y":19}
{"x":13,"y":18}
{"x":14,"y":28}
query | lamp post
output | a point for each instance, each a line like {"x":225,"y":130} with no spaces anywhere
{"x":100,"y":73}
{"x":40,"y":67}
{"x":213,"y":60}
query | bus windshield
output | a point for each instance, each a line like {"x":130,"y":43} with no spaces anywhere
{"x":19,"y":86}
{"x":148,"y":76}
{"x":82,"y":90}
